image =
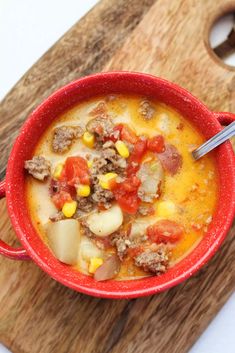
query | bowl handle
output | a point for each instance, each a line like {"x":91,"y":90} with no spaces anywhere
{"x":7,"y":250}
{"x":225,"y":118}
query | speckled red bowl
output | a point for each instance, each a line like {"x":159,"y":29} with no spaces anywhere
{"x":105,"y":83}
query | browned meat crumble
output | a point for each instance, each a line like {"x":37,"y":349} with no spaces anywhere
{"x":102,"y":196}
{"x":122,"y":244}
{"x":64,"y":136}
{"x":156,"y":262}
{"x":101,"y":126}
{"x":146,"y":110}
{"x":115,"y":162}
{"x":110,"y":161}
{"x":85,"y":204}
{"x":38,"y":167}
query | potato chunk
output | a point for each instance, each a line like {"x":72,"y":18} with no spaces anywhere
{"x":88,"y":249}
{"x":151,"y":176}
{"x":64,"y":238}
{"x":105,"y":223}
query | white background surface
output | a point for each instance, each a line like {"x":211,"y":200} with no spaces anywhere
{"x":27,"y":30}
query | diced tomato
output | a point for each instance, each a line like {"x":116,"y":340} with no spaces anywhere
{"x":129,"y":203}
{"x":156,"y":144}
{"x":57,"y":185}
{"x":125,"y":133}
{"x":76,"y":171}
{"x":127,"y":200}
{"x":126,"y":194}
{"x":165,"y":231}
{"x":132,"y":168}
{"x":112,"y":183}
{"x":61,"y":192}
{"x":139,"y":150}
{"x":131,"y":184}
{"x":60,"y":198}
{"x":118,"y":127}
{"x":128,"y":135}
{"x":136,"y":156}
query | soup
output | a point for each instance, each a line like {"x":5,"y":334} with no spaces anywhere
{"x":113,"y":191}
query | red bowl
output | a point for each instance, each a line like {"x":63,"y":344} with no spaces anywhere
{"x":207,"y":122}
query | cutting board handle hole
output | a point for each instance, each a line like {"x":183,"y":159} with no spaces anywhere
{"x":221,"y":41}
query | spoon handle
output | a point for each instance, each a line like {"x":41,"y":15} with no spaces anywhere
{"x":215,"y":141}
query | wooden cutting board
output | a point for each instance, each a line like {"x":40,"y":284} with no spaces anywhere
{"x":37,"y":315}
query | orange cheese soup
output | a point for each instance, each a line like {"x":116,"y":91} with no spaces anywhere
{"x":113,"y":190}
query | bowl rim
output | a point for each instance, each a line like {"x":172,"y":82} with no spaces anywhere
{"x":87,"y":286}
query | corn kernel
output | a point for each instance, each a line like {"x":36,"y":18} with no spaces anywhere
{"x":90,"y":164}
{"x":104,"y":180}
{"x":69,"y":208}
{"x":95,"y":262}
{"x":165,"y":208}
{"x":88,"y":139}
{"x":83,"y":190}
{"x":58,"y":170}
{"x":122,"y":149}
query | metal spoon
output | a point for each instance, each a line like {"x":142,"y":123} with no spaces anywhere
{"x":215,"y":141}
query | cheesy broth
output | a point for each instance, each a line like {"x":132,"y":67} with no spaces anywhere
{"x":189,"y":197}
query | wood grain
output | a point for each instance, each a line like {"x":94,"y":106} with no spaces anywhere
{"x":37,"y":315}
